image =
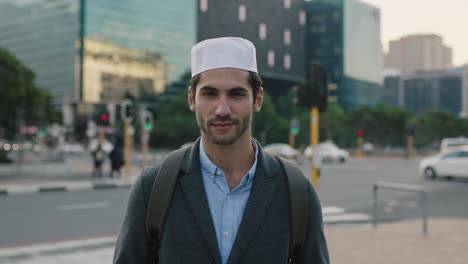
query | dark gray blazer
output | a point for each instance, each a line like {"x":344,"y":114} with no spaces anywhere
{"x":189,"y":235}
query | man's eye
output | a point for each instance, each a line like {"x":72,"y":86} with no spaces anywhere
{"x":208,"y":93}
{"x":238,"y":94}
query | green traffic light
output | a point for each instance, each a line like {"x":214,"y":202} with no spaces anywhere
{"x":148,"y":126}
{"x":295,"y":130}
{"x":40,"y":133}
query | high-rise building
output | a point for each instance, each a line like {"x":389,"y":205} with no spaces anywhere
{"x":437,"y":90}
{"x":343,"y":36}
{"x":130,"y":46}
{"x":464,"y":112}
{"x":276,"y":27}
{"x":420,"y":52}
{"x":392,"y":88}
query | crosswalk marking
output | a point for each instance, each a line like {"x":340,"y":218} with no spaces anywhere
{"x":335,"y":215}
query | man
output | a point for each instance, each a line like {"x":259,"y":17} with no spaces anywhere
{"x":231,"y":202}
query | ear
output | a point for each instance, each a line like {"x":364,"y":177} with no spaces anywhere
{"x":191,"y":100}
{"x":258,"y":100}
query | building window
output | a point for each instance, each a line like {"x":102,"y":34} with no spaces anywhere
{"x":204,"y":5}
{"x":271,"y":58}
{"x":262,"y":28}
{"x":242,"y":13}
{"x":287,"y":61}
{"x":287,"y":37}
{"x":302,"y":17}
{"x":287,"y":4}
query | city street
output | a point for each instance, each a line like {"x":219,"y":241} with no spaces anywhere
{"x":345,"y":189}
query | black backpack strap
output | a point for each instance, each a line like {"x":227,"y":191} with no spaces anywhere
{"x":299,"y":206}
{"x":161,"y":193}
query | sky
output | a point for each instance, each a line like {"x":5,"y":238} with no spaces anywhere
{"x":447,"y":18}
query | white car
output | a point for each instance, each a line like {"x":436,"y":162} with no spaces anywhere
{"x":451,"y":143}
{"x":328,"y":152}
{"x":451,"y":163}
{"x":283,"y":150}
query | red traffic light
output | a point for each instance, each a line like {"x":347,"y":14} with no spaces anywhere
{"x":360,"y":133}
{"x":104,"y":118}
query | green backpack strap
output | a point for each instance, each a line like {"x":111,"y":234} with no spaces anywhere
{"x":299,"y":207}
{"x":161,"y":193}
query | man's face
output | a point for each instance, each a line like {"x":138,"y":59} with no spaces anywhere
{"x":224,"y":105}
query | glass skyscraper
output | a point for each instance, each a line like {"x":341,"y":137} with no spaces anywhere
{"x":343,"y":36}
{"x":129,"y":46}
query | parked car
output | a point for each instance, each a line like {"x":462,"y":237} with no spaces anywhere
{"x":328,"y":152}
{"x":451,"y":163}
{"x":450,"y":143}
{"x":283,"y":150}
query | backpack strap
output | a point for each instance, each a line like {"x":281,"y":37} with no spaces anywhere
{"x":299,"y":207}
{"x":161,"y":193}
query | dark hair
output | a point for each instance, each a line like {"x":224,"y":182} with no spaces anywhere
{"x":254,"y":80}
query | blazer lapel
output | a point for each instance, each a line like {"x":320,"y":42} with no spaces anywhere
{"x":260,"y":198}
{"x":194,"y":191}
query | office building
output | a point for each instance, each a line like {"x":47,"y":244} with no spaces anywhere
{"x":437,"y":90}
{"x":420,"y":52}
{"x":343,"y":36}
{"x":276,"y":27}
{"x":129,"y":47}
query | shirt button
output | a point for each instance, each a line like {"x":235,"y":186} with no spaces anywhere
{"x":218,"y":172}
{"x":228,"y":197}
{"x":226,"y":233}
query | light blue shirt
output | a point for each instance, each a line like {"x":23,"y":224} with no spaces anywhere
{"x":226,"y":206}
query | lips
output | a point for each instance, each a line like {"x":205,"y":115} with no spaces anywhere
{"x":222,"y":126}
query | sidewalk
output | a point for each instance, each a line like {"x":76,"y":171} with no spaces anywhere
{"x":402,"y":242}
{"x":392,"y":243}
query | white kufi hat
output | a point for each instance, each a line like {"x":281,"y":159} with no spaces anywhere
{"x":226,"y":52}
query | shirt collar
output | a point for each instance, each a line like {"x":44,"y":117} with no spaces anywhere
{"x":211,"y":168}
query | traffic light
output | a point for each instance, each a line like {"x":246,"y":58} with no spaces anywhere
{"x":295,"y":126}
{"x":147,"y":120}
{"x":127,"y":110}
{"x":104,"y":118}
{"x":314,"y":93}
{"x":360,"y":133}
{"x":40,"y":133}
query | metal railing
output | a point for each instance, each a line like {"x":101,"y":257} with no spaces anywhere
{"x":402,"y":187}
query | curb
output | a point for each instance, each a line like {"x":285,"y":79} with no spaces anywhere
{"x":64,"y":187}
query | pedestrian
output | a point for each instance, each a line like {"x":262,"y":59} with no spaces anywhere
{"x":116,"y":157}
{"x":230,"y":203}
{"x":98,"y":157}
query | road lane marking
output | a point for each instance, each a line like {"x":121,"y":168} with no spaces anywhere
{"x":82,"y":206}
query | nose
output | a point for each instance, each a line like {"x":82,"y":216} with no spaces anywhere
{"x":222,"y":107}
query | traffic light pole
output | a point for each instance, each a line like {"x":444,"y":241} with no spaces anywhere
{"x":314,"y":138}
{"x":409,"y":143}
{"x":127,"y":150}
{"x":101,"y":135}
{"x":291,"y":138}
{"x":144,"y":147}
{"x":359,"y":146}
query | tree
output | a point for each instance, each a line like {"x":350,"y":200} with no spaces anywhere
{"x":434,"y":125}
{"x":268,"y":126}
{"x":21,"y":98}
{"x":176,"y":124}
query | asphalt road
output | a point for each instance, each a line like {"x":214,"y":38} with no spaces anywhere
{"x":61,"y":216}
{"x":350,"y":186}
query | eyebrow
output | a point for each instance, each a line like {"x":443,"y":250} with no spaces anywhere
{"x":234,"y":89}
